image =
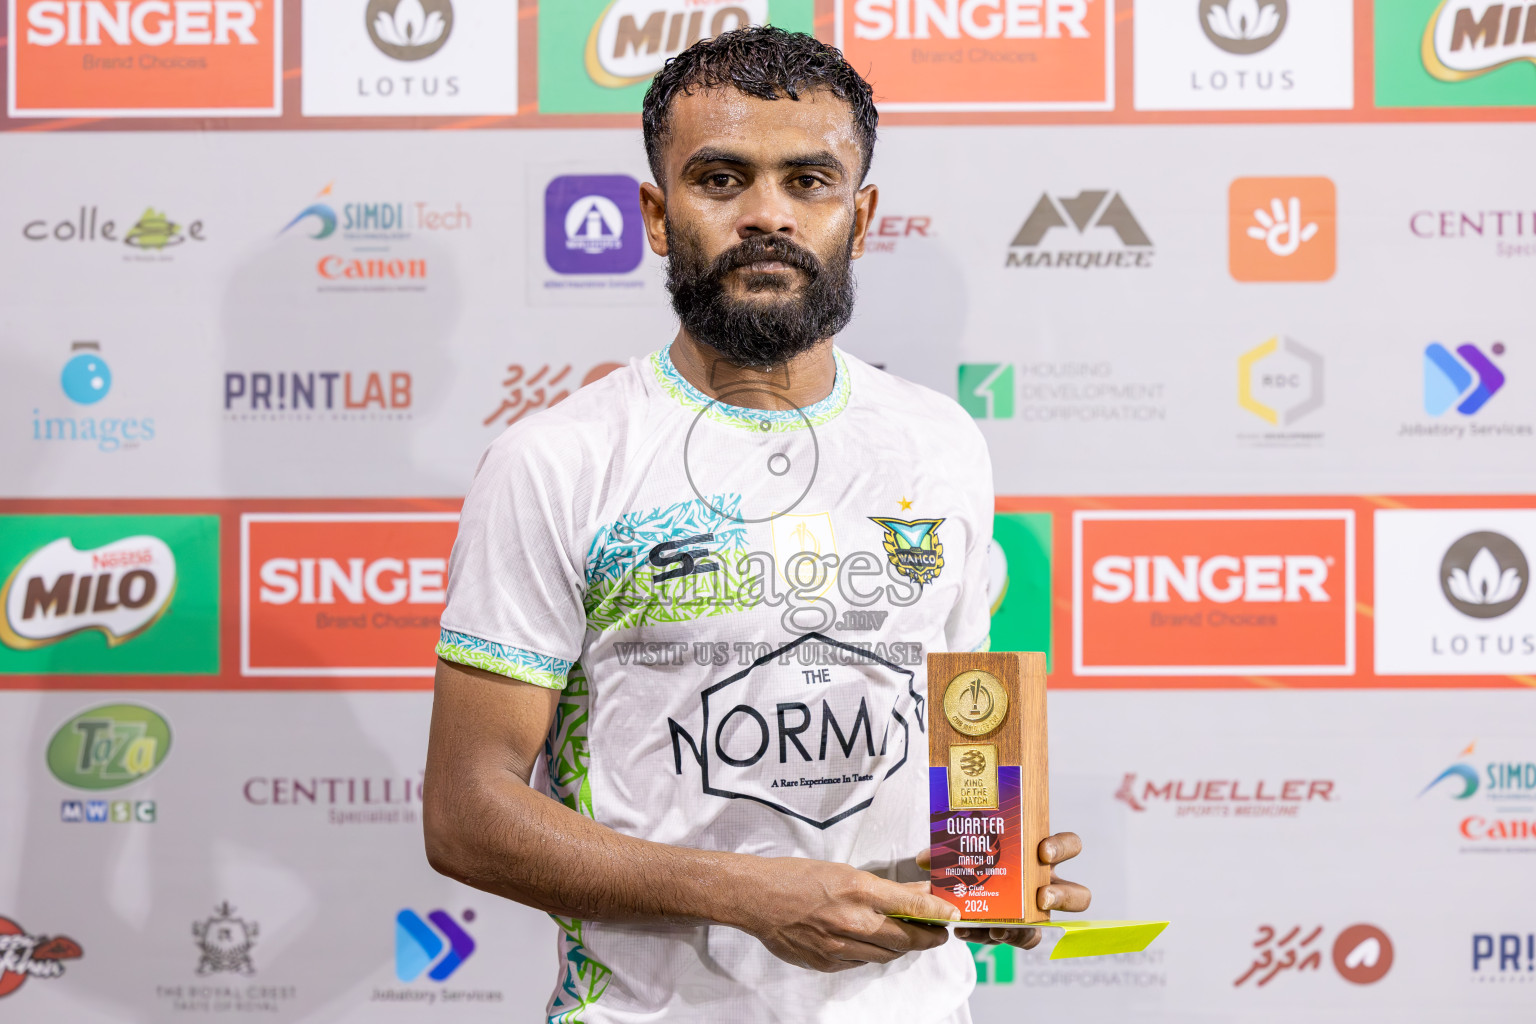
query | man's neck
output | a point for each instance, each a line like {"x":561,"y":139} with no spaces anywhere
{"x":801,"y":381}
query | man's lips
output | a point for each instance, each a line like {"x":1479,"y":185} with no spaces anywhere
{"x":766,"y":266}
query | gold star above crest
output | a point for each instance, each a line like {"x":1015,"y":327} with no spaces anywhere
{"x":905,"y":504}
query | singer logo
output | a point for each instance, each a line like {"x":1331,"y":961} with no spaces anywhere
{"x":1229,"y":592}
{"x":129,"y":58}
{"x":344,"y":594}
{"x":981,"y":54}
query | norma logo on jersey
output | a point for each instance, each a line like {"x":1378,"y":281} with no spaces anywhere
{"x":342,"y":594}
{"x":137,"y":58}
{"x":1221,"y":592}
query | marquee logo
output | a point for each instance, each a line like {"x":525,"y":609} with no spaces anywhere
{"x":1466,"y":382}
{"x":1484,"y":575}
{"x":1090,"y":213}
{"x":24,"y":956}
{"x":1243,"y":26}
{"x":107,"y":747}
{"x":1220,"y":592}
{"x":136,"y":58}
{"x":1468,"y":39}
{"x":118,"y":589}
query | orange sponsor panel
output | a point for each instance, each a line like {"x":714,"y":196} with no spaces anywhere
{"x":1282,"y":229}
{"x":342,"y":594}
{"x":1224,"y":592}
{"x":981,"y":54}
{"x":126,"y":58}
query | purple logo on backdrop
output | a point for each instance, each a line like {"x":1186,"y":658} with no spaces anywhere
{"x":592,"y":224}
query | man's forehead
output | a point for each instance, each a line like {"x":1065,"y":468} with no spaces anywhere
{"x":758,"y":130}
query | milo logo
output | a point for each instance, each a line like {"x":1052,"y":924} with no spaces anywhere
{"x":119,"y":589}
{"x":108,"y":747}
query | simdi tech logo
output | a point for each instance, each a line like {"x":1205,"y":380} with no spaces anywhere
{"x":1489,"y":796}
{"x":342,"y":594}
{"x":1213,"y":592}
{"x":1455,"y":53}
{"x":381,"y":234}
{"x":1281,"y":229}
{"x":410,"y":57}
{"x":598,"y":56}
{"x":109,"y":594}
{"x":145,"y":58}
{"x":981,"y":54}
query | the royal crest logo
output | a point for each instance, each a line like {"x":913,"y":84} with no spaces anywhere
{"x":24,"y":956}
{"x":225,"y":942}
{"x":913,"y":547}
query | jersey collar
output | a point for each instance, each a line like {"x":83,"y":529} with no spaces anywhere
{"x":766,"y":420}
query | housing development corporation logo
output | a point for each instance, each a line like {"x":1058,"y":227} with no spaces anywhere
{"x":437,"y":945}
{"x":1281,"y":229}
{"x":1488,"y":799}
{"x":1068,"y":391}
{"x":1243,"y":26}
{"x":23,"y":955}
{"x":592,"y":225}
{"x":1097,"y":216}
{"x":136,"y":58}
{"x":1484,"y":575}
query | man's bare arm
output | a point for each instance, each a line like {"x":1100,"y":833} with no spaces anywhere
{"x":487,"y":828}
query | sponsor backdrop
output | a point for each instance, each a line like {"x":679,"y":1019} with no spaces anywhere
{"x":1234,"y":288}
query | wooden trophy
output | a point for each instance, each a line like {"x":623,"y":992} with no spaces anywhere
{"x":987,"y":783}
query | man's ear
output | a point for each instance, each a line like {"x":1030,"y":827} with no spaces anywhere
{"x":864,"y":204}
{"x":653,"y":209}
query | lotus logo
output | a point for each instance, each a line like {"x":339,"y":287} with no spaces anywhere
{"x":409,"y":29}
{"x":1484,"y":575}
{"x":1243,"y":26}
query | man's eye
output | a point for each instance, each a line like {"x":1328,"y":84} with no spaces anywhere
{"x":808,"y":181}
{"x":719,"y":180}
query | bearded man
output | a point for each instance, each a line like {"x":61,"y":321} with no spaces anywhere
{"x":688,"y":596}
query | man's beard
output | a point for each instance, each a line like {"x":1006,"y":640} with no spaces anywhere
{"x":758,"y":334}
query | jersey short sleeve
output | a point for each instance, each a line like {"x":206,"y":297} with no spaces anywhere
{"x":968,"y":627}
{"x":514,"y":584}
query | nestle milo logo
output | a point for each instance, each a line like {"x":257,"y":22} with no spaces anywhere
{"x":108,"y":747}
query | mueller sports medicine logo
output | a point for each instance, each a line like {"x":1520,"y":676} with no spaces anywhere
{"x":118,"y":590}
{"x":23,"y":955}
{"x":1098,"y":217}
{"x":134,"y":58}
{"x":1490,"y":800}
{"x":382,"y":236}
{"x":323,"y":394}
{"x":1224,"y":797}
{"x":1465,"y":40}
{"x":1221,"y":592}
{"x":342,"y":594}
{"x":813,"y":744}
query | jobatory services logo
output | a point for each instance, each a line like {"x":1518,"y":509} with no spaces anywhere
{"x":1281,"y":381}
{"x":145,"y":58}
{"x":1282,"y":229}
{"x":1224,"y":797}
{"x":981,"y":54}
{"x":109,"y":594}
{"x":436,"y":946}
{"x":154,"y":236}
{"x":383,"y":236}
{"x":1244,"y":55}
{"x":85,"y":380}
{"x":1485,"y":800}
{"x":1213,"y":592}
{"x":1361,"y":954}
{"x":1076,"y":391}
{"x":342,"y":594}
{"x":592,"y":225}
{"x":1450,"y":591}
{"x":1454,"y":53}
{"x":598,"y":56}
{"x":1109,"y":235}
{"x":1459,"y":384}
{"x":410,"y":57}
{"x":254,"y":396}
{"x":24,"y":955}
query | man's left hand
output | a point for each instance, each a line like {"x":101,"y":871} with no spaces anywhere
{"x":1059,"y":895}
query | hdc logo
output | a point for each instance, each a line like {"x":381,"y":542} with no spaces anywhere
{"x":986,"y":390}
{"x":1466,"y":382}
{"x":1282,"y":229}
{"x":420,"y":945}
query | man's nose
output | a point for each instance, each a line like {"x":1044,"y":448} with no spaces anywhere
{"x":767,"y":209}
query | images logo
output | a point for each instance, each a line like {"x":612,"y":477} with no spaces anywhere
{"x":1281,"y":229}
{"x":418,"y":944}
{"x":1450,"y":381}
{"x":407,"y":30}
{"x":986,"y":390}
{"x":24,"y":956}
{"x":982,"y":54}
{"x":225,"y":942}
{"x":85,"y":380}
{"x":1280,"y":391}
{"x":138,"y":58}
{"x":1087,"y":210}
{"x":1243,"y":26}
{"x":592,"y":224}
{"x":108,"y":747}
{"x":1484,"y":575}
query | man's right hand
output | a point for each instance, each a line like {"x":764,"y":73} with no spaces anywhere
{"x":830,"y":917}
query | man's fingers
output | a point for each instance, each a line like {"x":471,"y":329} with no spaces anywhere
{"x":1067,"y":896}
{"x":913,"y":899}
{"x":1059,"y":847}
{"x":904,"y":936}
{"x":925,"y":860}
{"x":1023,"y":938}
{"x":854,"y":952}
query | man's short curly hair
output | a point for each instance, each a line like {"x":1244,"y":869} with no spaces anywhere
{"x":760,"y":61}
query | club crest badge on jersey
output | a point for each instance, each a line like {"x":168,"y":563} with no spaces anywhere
{"x":913,"y":547}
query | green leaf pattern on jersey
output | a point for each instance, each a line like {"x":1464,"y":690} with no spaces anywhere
{"x":566,"y":748}
{"x":583,"y":980}
{"x":771,"y":421}
{"x":503,"y":659}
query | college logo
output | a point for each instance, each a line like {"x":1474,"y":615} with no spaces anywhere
{"x":24,"y":956}
{"x":1096,"y":211}
{"x":149,"y":236}
{"x":913,"y":547}
{"x":1281,"y":229}
{"x":438,"y":945}
{"x":108,"y":747}
{"x":145,"y":58}
{"x":342,"y":594}
{"x":407,"y":29}
{"x":1361,"y":954}
{"x":1484,"y":575}
{"x":1466,"y":383}
{"x":224,"y":942}
{"x":1280,"y":381}
{"x":1243,"y":26}
{"x":982,"y":54}
{"x":1229,"y":592}
{"x":592,"y":224}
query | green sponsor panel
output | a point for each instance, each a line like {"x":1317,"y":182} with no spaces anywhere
{"x":1021,"y":620}
{"x":110,"y":746}
{"x":109,"y":595}
{"x":1404,"y":80}
{"x":575,"y":78}
{"x":994,"y":964}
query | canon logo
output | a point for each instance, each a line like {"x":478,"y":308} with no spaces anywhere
{"x":969,"y":19}
{"x":147,"y":22}
{"x":382,"y":581}
{"x":1219,"y":578}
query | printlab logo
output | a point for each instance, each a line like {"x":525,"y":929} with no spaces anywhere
{"x":1484,"y":575}
{"x":1362,"y":954}
{"x":1281,"y":229}
{"x":323,"y":394}
{"x":1466,"y":382}
{"x":86,"y":379}
{"x":224,"y":942}
{"x":1516,"y":957}
{"x":24,"y":956}
{"x":438,"y":945}
{"x":409,"y":29}
{"x":592,"y":224}
{"x":1243,"y":26}
{"x":1281,"y":382}
{"x":1094,"y":215}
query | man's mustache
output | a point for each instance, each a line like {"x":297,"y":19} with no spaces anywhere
{"x":765,"y":247}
